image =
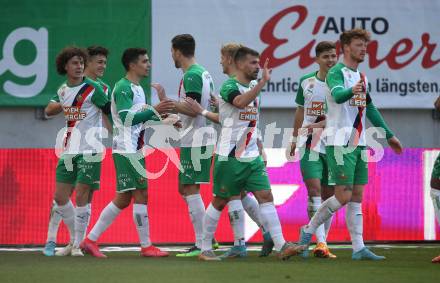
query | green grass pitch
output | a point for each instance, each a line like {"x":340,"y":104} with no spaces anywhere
{"x":412,"y":265}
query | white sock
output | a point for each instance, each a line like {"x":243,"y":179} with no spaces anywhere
{"x":236,"y":217}
{"x":353,"y":218}
{"x":196,"y":209}
{"x":140,"y":217}
{"x":108,"y":215}
{"x":271,"y":222}
{"x":67,"y":212}
{"x":325,"y":211}
{"x":54,"y":223}
{"x":327,"y":225}
{"x":89,"y":211}
{"x":81,"y":220}
{"x":313,"y":205}
{"x":252,"y":208}
{"x":435,"y":196}
{"x":210,"y":222}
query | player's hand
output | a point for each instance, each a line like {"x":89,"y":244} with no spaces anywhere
{"x":437,"y":104}
{"x":213,"y":101}
{"x":266,"y":71}
{"x":292,"y":149}
{"x":264,"y":156}
{"x":395,"y":145}
{"x":164,"y":106}
{"x":194,"y":105}
{"x":358,"y":88}
{"x":160,"y":91}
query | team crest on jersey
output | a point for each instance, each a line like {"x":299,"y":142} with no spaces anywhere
{"x":358,"y":100}
{"x":80,"y":98}
{"x":250,"y":113}
{"x":316,"y":109}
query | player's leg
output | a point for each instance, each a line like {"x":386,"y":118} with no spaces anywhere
{"x":354,"y":218}
{"x":140,"y":218}
{"x":327,"y":192}
{"x":210,"y":222}
{"x":236,"y":218}
{"x":258,"y":183}
{"x":341,"y":165}
{"x":189,"y":189}
{"x":252,"y":208}
{"x":435,"y":195}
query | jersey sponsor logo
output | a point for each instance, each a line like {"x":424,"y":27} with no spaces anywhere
{"x":358,"y":100}
{"x":316,"y":109}
{"x":74,"y":113}
{"x":250,"y":113}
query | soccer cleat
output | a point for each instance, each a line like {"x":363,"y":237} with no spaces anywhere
{"x":191,"y":252}
{"x":267,"y":247}
{"x":322,"y":251}
{"x":366,"y":254}
{"x":304,"y":240}
{"x":76,"y":252}
{"x":152,"y":251}
{"x":235,"y":252}
{"x":90,"y":247}
{"x":49,"y":248}
{"x":67,"y":250}
{"x":289,"y":249}
{"x":208,"y":256}
{"x":215,"y":244}
{"x":436,"y":259}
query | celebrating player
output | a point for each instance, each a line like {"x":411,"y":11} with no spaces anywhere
{"x":94,"y":70}
{"x":348,"y":103}
{"x":79,"y":166}
{"x":310,"y":100}
{"x":238,"y":163}
{"x":128,"y":113}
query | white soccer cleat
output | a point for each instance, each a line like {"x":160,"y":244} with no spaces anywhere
{"x":66,"y":251}
{"x":76,"y":252}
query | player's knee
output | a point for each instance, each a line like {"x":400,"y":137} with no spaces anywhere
{"x":435,"y":184}
{"x":264,"y":196}
{"x":219,"y":203}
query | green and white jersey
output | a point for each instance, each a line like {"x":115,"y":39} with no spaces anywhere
{"x":239,"y":134}
{"x":127,"y":97}
{"x":82,"y":110}
{"x":198,"y":83}
{"x":311,"y":96}
{"x":346,"y":119}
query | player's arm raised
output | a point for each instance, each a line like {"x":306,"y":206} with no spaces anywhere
{"x":242,"y":100}
{"x":178,"y":106}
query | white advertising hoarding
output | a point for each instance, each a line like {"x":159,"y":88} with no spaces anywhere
{"x":403,"y":62}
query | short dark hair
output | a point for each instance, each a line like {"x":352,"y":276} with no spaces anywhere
{"x":243,"y":51}
{"x":97,"y":50}
{"x":131,"y":55}
{"x":324,"y":46}
{"x":185,"y":43}
{"x":347,"y":36}
{"x":66,"y":54}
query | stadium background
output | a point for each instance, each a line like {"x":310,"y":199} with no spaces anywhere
{"x":397,"y":204}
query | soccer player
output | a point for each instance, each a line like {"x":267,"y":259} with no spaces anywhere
{"x":129,"y":110}
{"x":310,"y":100}
{"x":249,"y":203}
{"x":435,"y":185}
{"x":197,"y":134}
{"x":238,"y":163}
{"x":79,"y":166}
{"x":94,"y":70}
{"x":348,"y":102}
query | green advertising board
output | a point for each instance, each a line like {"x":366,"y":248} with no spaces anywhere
{"x":33,"y":32}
